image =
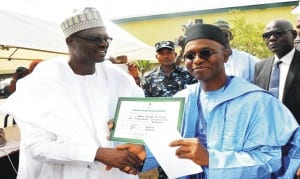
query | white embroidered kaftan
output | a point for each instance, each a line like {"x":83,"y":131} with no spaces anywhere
{"x":63,"y":119}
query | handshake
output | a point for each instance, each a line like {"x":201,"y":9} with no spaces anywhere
{"x":127,"y":157}
{"x":130,"y":158}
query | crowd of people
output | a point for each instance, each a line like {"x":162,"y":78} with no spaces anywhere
{"x":240,"y":120}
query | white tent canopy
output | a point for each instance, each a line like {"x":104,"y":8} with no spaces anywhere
{"x":125,"y":44}
{"x":19,"y":30}
{"x":24,"y":38}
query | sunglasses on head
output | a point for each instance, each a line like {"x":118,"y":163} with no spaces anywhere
{"x":275,"y":33}
{"x":95,"y":39}
{"x":203,"y":53}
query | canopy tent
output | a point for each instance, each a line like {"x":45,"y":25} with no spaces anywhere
{"x":24,"y":38}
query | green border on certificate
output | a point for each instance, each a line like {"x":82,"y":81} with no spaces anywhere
{"x":136,"y":117}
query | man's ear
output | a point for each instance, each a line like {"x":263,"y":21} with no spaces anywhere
{"x":294,"y":33}
{"x":231,"y":36}
{"x":227,"y":53}
{"x":69,"y":40}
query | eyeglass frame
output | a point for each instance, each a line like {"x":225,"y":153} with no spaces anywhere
{"x":95,"y":39}
{"x":199,"y":55}
{"x":275,"y":33}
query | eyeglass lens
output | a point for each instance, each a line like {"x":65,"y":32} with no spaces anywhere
{"x":96,"y":40}
{"x":203,"y":53}
{"x":275,"y":33}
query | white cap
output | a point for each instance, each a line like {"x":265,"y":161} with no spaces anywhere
{"x":86,"y":19}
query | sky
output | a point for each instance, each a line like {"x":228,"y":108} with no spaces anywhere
{"x":58,"y":10}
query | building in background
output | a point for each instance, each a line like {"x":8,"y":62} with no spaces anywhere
{"x":153,"y":28}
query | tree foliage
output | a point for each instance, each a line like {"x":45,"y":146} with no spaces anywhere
{"x":248,"y":37}
{"x":144,"y":65}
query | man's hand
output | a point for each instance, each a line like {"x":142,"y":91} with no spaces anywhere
{"x":122,"y":159}
{"x":298,"y":173}
{"x":110,"y":126}
{"x":133,"y":70}
{"x":137,"y":149}
{"x":191,"y":148}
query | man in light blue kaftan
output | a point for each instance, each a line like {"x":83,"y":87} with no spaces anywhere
{"x":231,"y":128}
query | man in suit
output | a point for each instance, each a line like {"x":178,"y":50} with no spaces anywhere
{"x":279,"y":37}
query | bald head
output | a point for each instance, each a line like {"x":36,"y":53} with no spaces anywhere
{"x":280,"y":24}
{"x":279,"y":37}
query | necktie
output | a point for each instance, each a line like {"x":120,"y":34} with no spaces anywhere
{"x":274,"y":80}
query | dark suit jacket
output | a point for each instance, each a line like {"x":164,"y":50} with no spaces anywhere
{"x":291,"y":93}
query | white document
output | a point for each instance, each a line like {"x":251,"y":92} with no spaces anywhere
{"x":174,"y":167}
{"x":137,"y":117}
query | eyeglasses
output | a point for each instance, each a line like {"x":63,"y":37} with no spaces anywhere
{"x":275,"y":33}
{"x":95,"y":40}
{"x":203,"y":53}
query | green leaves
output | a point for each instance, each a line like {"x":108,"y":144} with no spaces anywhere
{"x":248,"y":36}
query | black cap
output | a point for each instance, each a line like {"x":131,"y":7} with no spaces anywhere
{"x":165,"y":44}
{"x":204,"y":31}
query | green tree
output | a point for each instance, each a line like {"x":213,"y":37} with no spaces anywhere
{"x":247,"y":37}
{"x":144,"y":65}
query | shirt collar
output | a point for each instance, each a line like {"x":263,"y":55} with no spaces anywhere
{"x":287,"y":59}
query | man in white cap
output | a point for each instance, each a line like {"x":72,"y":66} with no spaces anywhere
{"x":63,"y":107}
{"x":240,"y":63}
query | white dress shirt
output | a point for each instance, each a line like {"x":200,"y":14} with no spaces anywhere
{"x":284,"y":68}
